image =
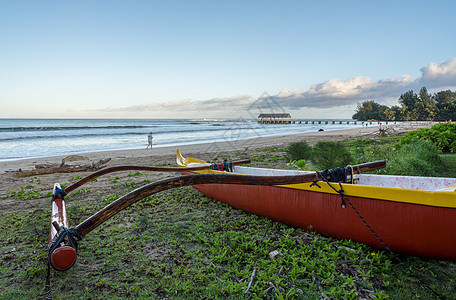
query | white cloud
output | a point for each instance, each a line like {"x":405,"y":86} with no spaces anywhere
{"x":214,"y":104}
{"x":435,"y":76}
{"x":337,"y":93}
{"x":331,"y":94}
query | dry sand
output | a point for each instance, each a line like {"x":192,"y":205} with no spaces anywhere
{"x":167,"y":154}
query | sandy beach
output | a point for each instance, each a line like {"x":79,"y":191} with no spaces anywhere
{"x":165,"y":156}
{"x":160,"y":155}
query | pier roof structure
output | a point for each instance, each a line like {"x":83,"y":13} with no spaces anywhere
{"x":274,"y":118}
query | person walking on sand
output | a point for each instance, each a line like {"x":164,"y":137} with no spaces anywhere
{"x":149,"y":139}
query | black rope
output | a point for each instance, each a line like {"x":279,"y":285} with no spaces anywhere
{"x":47,"y":288}
{"x":315,"y":183}
{"x":58,"y":194}
{"x":224,"y":166}
{"x":72,"y":236}
{"x":341,"y":192}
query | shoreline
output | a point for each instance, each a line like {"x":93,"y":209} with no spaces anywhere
{"x":202,"y":150}
{"x":228,"y":136}
{"x":40,"y":185}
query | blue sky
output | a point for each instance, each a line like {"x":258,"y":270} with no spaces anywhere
{"x":208,"y":59}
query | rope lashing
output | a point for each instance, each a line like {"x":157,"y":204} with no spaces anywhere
{"x":342,"y":195}
{"x":224,"y":166}
{"x":58,"y":193}
{"x":70,"y":235}
{"x":65,"y":236}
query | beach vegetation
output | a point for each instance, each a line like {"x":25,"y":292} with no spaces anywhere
{"x":324,"y":155}
{"x":242,"y":154}
{"x":416,"y":158}
{"x":442,"y":135}
{"x":449,"y":163}
{"x":137,"y":173}
{"x":266,"y":157}
{"x":371,"y":149}
{"x":180,"y":244}
{"x":370,"y":110}
{"x":330,"y":154}
{"x":164,"y":165}
{"x":273,"y":149}
{"x":274,"y":158}
{"x":417,"y":153}
{"x":75,"y":178}
{"x":27,"y":192}
{"x":301,"y":164}
{"x":129,"y":183}
{"x":298,"y":151}
{"x":82,"y":192}
{"x":440,"y":106}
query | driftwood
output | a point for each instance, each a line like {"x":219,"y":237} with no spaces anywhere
{"x":62,"y":168}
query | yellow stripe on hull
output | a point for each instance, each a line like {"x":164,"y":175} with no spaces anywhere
{"x":431,"y":198}
{"x":440,"y":198}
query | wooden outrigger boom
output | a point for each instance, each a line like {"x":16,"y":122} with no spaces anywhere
{"x":62,"y":248}
{"x":63,"y":244}
{"x":143,"y":168}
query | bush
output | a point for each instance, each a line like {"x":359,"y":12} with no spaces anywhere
{"x":298,"y":151}
{"x":328,"y":155}
{"x":417,"y":158}
{"x":301,"y":164}
{"x":442,"y":135}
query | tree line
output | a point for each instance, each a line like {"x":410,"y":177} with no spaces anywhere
{"x":423,"y":106}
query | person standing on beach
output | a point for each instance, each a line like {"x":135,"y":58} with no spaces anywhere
{"x":149,"y":140}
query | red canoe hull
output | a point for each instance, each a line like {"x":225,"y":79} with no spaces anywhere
{"x":414,"y":229}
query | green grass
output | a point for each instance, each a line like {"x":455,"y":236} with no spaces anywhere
{"x":180,"y":244}
{"x":449,"y":161}
{"x":417,"y":158}
{"x":365,"y":150}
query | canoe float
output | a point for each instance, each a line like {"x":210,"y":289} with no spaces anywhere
{"x":410,"y":215}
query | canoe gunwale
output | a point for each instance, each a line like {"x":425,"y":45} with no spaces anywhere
{"x":442,"y":199}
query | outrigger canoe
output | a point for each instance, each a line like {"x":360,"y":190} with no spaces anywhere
{"x":411,"y":215}
{"x":405,"y":214}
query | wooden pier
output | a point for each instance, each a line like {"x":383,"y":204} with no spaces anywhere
{"x":347,"y":122}
{"x":286,"y":119}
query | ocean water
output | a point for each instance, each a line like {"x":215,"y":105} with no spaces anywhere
{"x":27,"y":138}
